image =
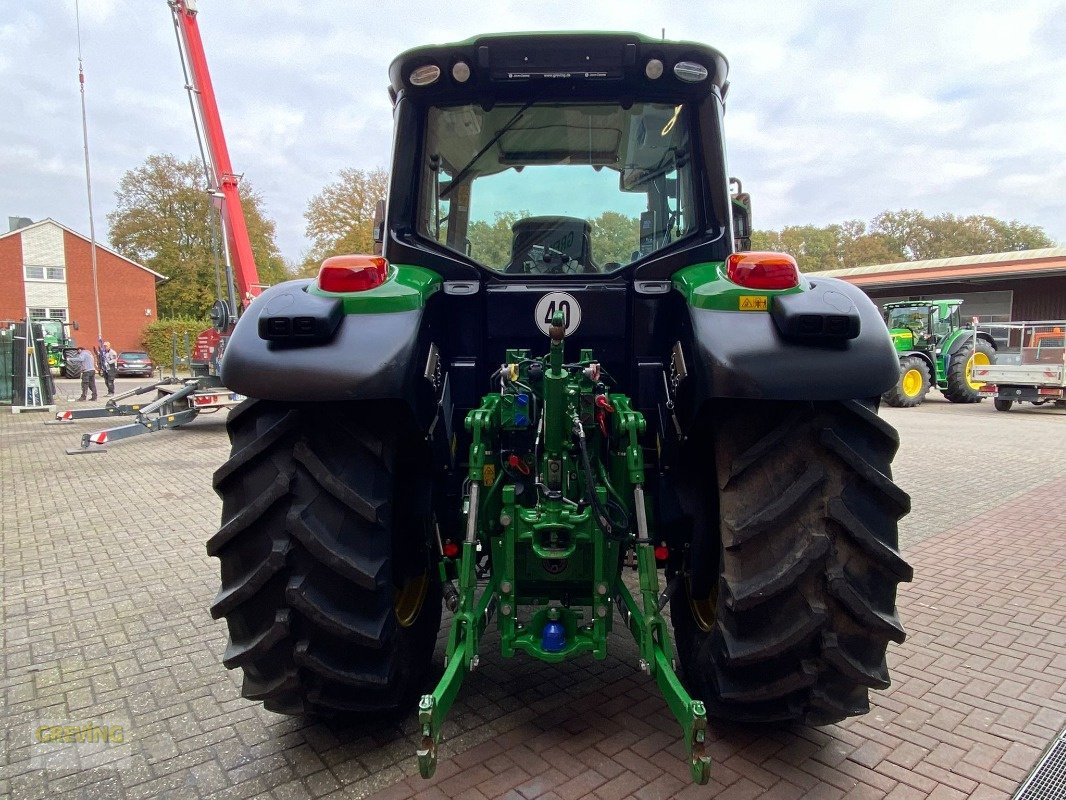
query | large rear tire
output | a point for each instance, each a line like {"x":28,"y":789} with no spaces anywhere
{"x":801,"y":582}
{"x":329,"y":584}
{"x":913,"y":384}
{"x":960,"y":388}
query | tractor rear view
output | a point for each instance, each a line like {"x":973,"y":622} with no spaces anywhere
{"x":935,"y":350}
{"x":561,"y":364}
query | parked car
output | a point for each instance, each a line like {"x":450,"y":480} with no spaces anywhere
{"x":135,"y":362}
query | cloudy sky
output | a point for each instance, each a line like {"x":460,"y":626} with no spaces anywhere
{"x":837,"y":110}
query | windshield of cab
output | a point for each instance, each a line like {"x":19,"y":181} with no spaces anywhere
{"x":557,"y":188}
{"x":915,"y":318}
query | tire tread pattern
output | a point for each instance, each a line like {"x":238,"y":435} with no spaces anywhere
{"x":809,"y":563}
{"x":306,"y":547}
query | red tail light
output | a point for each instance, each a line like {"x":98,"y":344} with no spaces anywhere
{"x":763,"y":270}
{"x":352,"y":273}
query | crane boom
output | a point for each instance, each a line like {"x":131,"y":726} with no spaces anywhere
{"x":240,"y":262}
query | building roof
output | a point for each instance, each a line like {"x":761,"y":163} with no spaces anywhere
{"x":1012,"y":264}
{"x":159,"y":278}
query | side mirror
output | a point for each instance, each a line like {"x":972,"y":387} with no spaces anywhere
{"x":379,"y":227}
{"x":741,"y":202}
{"x":75,"y":325}
{"x":742,"y":222}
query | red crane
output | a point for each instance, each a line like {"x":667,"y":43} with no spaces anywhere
{"x":240,"y":263}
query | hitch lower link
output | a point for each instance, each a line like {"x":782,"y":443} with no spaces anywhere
{"x":644,"y":621}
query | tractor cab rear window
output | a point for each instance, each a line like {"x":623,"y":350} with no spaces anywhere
{"x":550,"y":188}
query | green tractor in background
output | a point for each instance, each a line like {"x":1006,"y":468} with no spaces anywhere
{"x":932,"y":343}
{"x":62,"y":352}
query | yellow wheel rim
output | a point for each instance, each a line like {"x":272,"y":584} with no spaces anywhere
{"x":409,"y":598}
{"x":981,"y":360}
{"x":912,"y":382}
{"x":704,"y":611}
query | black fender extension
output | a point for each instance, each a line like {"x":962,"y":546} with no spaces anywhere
{"x":767,"y":356}
{"x":342,"y":357}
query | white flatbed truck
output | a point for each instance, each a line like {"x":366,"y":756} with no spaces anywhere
{"x":1030,"y":366}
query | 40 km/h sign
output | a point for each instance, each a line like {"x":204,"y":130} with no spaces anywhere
{"x":558,"y":301}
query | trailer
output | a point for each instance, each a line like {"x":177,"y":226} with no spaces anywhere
{"x":1030,"y":368}
{"x":178,"y":402}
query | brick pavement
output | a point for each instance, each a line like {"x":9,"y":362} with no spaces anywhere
{"x":979,"y":690}
{"x":105,"y":616}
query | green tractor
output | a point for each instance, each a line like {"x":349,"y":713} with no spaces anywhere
{"x":62,"y":352}
{"x":933,"y":344}
{"x":561,"y":364}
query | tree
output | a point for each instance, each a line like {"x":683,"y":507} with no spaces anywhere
{"x":905,"y":235}
{"x":340,"y":218}
{"x":614,"y":238}
{"x":165,"y":220}
{"x":490,"y":243}
{"x":918,"y":236}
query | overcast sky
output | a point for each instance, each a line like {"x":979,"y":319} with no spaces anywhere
{"x":836,"y":110}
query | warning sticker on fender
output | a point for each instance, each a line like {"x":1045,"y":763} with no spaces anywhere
{"x":752,"y":302}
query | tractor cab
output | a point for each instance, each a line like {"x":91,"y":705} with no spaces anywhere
{"x":917,"y":323}
{"x":525,"y":141}
{"x":534,"y":172}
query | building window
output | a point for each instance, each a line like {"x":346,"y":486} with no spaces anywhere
{"x":34,"y":273}
{"x":49,"y":313}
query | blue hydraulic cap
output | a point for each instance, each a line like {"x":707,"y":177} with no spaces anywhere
{"x":521,"y":419}
{"x":522,"y":400}
{"x":553,"y":637}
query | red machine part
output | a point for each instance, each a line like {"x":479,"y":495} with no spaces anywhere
{"x":206,"y":345}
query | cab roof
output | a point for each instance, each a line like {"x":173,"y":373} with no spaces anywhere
{"x":577,"y":65}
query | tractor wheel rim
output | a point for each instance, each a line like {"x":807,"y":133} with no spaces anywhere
{"x":704,"y":611}
{"x":912,"y":382}
{"x":981,"y":360}
{"x":409,"y":598}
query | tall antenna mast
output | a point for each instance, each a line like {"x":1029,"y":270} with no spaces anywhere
{"x":88,"y":180}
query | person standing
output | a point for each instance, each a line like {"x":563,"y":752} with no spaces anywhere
{"x":109,"y":365}
{"x":88,"y":372}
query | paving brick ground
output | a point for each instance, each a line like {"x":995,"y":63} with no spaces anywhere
{"x":105,"y":588}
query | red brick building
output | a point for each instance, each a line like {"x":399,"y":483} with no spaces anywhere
{"x":46,"y":268}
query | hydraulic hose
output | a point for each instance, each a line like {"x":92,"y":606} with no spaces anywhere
{"x":603,"y":517}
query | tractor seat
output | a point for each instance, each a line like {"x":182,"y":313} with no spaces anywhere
{"x":551,"y":245}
